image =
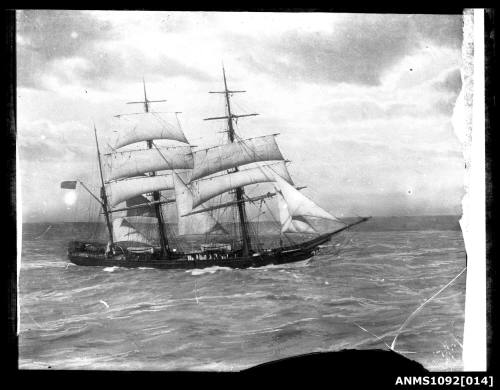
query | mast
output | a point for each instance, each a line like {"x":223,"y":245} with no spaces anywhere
{"x":103,"y":191}
{"x":156,"y":194}
{"x":239,"y":191}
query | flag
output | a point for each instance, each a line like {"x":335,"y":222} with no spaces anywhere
{"x":69,"y":185}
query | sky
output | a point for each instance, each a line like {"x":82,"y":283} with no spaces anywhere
{"x":362,"y":102}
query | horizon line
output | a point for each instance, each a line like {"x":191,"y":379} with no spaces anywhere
{"x":353,"y":216}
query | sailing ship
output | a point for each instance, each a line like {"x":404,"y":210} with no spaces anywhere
{"x":143,"y":182}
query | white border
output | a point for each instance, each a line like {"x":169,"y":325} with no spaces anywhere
{"x":474,"y":219}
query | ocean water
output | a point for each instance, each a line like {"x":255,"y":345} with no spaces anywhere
{"x":221,"y":319}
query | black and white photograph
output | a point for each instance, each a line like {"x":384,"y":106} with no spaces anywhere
{"x":213,"y":191}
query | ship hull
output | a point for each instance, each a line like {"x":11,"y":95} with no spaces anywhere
{"x":276,"y":256}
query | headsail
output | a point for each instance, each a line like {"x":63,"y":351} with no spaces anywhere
{"x":202,"y":223}
{"x":298,"y":212}
{"x":123,"y":231}
{"x":289,"y":224}
{"x":136,"y":162}
{"x":298,"y":204}
{"x":222,"y":157}
{"x":146,"y":126}
{"x":206,"y":189}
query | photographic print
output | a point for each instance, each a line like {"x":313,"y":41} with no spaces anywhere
{"x":210,"y":191}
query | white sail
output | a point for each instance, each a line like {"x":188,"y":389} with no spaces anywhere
{"x":289,"y":224}
{"x":136,"y":162}
{"x":206,"y":189}
{"x":123,"y":231}
{"x":119,"y":191}
{"x":147,"y":126}
{"x":201,"y":223}
{"x":298,"y":204}
{"x":219,"y":158}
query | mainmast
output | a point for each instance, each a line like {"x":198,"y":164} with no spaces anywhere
{"x":156,"y":194}
{"x":103,"y":192}
{"x":239,"y":192}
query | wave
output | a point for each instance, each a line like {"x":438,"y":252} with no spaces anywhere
{"x":68,"y":332}
{"x":298,"y":264}
{"x":220,"y":366}
{"x":273,"y":329}
{"x":111,"y":269}
{"x":127,"y":311}
{"x":208,"y":270}
{"x":44,"y":264}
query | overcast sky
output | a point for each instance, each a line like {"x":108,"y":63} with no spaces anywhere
{"x":362,"y":102}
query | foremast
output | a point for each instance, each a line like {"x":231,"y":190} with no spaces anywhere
{"x":104,"y":197}
{"x":156,"y":194}
{"x":239,"y":191}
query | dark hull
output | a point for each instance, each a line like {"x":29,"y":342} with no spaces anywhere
{"x":281,"y":255}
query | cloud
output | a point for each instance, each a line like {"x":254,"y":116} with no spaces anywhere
{"x":44,"y":142}
{"x":47,"y":36}
{"x":451,"y":82}
{"x":176,"y":22}
{"x":31,"y":150}
{"x":77,"y":47}
{"x":52,"y":151}
{"x":445,"y":106}
{"x":359,"y":110}
{"x":359,"y":49}
{"x":54,"y":34}
{"x":107,"y":66}
{"x":443,"y":30}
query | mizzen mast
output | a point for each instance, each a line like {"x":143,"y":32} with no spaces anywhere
{"x":156,"y":194}
{"x":239,"y":191}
